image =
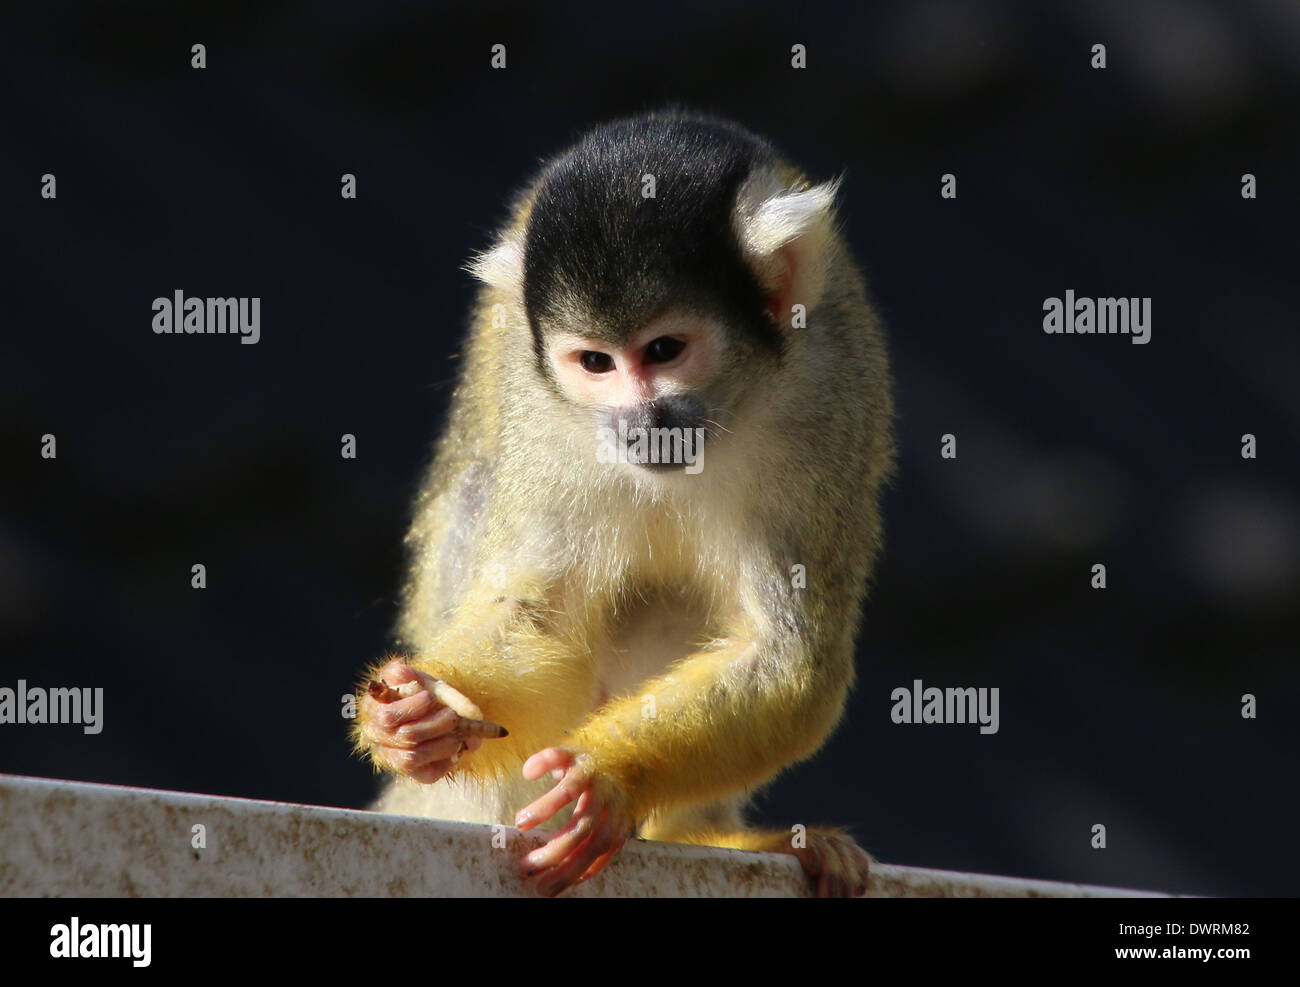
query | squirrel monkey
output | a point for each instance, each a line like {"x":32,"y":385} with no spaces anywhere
{"x":640,"y":554}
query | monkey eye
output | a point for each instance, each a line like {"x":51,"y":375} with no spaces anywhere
{"x":597,"y":363}
{"x":663,"y":349}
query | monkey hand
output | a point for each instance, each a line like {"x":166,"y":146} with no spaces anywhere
{"x":419,"y":726}
{"x":599,"y":827}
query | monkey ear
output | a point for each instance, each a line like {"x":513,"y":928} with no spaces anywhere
{"x":784,"y":235}
{"x":502,"y":265}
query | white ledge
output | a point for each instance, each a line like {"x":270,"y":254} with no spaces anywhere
{"x":69,"y":839}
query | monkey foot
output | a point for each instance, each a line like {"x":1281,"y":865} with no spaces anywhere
{"x":838,"y":867}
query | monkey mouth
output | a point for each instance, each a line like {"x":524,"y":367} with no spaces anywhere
{"x":658,"y":467}
{"x":661,"y":450}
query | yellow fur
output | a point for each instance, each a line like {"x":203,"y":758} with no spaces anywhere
{"x":529,"y":559}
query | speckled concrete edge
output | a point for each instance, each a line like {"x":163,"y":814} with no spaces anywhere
{"x":70,"y":839}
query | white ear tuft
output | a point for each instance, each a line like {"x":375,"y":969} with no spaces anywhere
{"x":787,"y":236}
{"x":769,"y":221}
{"x":501,"y":266}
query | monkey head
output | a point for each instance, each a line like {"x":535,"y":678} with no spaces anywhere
{"x":657,"y":262}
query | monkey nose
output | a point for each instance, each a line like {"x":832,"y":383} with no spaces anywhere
{"x":642,"y":416}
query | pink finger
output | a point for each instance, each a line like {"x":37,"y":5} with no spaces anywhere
{"x":397,"y":672}
{"x":431,"y":726}
{"x":549,"y":804}
{"x":600,"y":862}
{"x":547,"y":760}
{"x":394,"y":714}
{"x":564,"y":842}
{"x":409,"y":758}
{"x":577,"y":863}
{"x":430,"y":773}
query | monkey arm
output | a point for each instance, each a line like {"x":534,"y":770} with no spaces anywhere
{"x":535,"y":683}
{"x":715,"y":723}
{"x":725,"y":719}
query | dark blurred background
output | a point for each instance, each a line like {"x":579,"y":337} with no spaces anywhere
{"x":1119,"y":707}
